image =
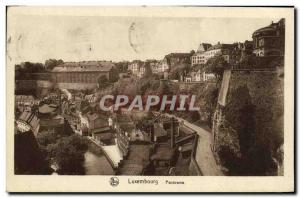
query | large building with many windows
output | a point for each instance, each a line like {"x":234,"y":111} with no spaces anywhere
{"x":269,"y":41}
{"x":81,"y":75}
{"x":207,"y":51}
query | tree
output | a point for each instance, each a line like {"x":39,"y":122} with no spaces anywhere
{"x":179,"y":70}
{"x":240,"y":113}
{"x":216,"y":65}
{"x":175,"y":74}
{"x":148,"y":71}
{"x":69,"y":155}
{"x":102,"y":81}
{"x":113,"y":75}
{"x":248,"y":61}
{"x":210,"y":102}
{"x":29,"y":158}
{"x":27,"y":68}
{"x":51,"y":63}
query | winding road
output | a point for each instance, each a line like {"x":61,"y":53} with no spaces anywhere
{"x":204,"y":155}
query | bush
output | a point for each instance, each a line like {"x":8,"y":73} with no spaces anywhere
{"x":69,"y":155}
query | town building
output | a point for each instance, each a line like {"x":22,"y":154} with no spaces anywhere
{"x":199,"y":57}
{"x":96,"y":122}
{"x":163,"y":159}
{"x":200,"y":75}
{"x":25,"y":102}
{"x":81,"y":75}
{"x":103,"y":136}
{"x":28,"y":121}
{"x":160,"y":134}
{"x":207,"y":51}
{"x":134,"y":66}
{"x":123,"y":126}
{"x":219,"y":49}
{"x":269,"y":40}
{"x":56,"y":124}
{"x":160,"y":66}
{"x":141,"y":71}
{"x":207,"y":76}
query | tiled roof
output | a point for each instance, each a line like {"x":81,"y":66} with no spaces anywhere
{"x":103,"y":66}
{"x":30,"y":118}
{"x":24,"y":98}
{"x":220,"y":46}
{"x":123,"y":118}
{"x":270,"y":28}
{"x":104,"y":136}
{"x":178,"y":55}
{"x":101,"y":130}
{"x":126,"y":127}
{"x":52,"y":122}
{"x":45,"y":108}
{"x":203,"y":47}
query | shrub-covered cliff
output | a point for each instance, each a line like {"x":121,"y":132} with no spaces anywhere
{"x":248,"y":129}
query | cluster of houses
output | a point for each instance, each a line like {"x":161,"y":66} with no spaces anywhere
{"x":149,"y":148}
{"x":267,"y":42}
{"x":196,"y":60}
{"x":152,"y":148}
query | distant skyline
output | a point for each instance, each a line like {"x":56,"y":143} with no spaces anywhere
{"x":79,"y":38}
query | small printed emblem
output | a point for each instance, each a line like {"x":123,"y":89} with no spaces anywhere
{"x":114,"y":181}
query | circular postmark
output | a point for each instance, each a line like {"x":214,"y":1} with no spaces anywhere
{"x":137,"y":37}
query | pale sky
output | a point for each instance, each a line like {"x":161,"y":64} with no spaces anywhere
{"x":78,"y":38}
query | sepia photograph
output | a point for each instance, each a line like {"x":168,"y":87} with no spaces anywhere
{"x":133,"y":93}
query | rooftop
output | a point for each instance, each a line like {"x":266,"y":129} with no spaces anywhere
{"x":24,"y":97}
{"x":123,"y":118}
{"x":100,"y":66}
{"x":203,"y":47}
{"x":127,"y":126}
{"x":163,"y":152}
{"x":270,"y":28}
{"x":178,"y":55}
{"x":30,"y":118}
{"x":104,"y":136}
{"x":220,"y":46}
{"x":45,"y":108}
{"x":101,"y":130}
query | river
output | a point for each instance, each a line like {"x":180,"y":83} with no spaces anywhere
{"x":97,"y":164}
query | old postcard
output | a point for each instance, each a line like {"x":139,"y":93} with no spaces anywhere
{"x":150,"y":99}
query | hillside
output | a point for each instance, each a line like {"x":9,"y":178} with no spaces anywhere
{"x":248,"y":130}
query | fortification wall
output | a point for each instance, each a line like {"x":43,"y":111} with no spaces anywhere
{"x":250,"y":108}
